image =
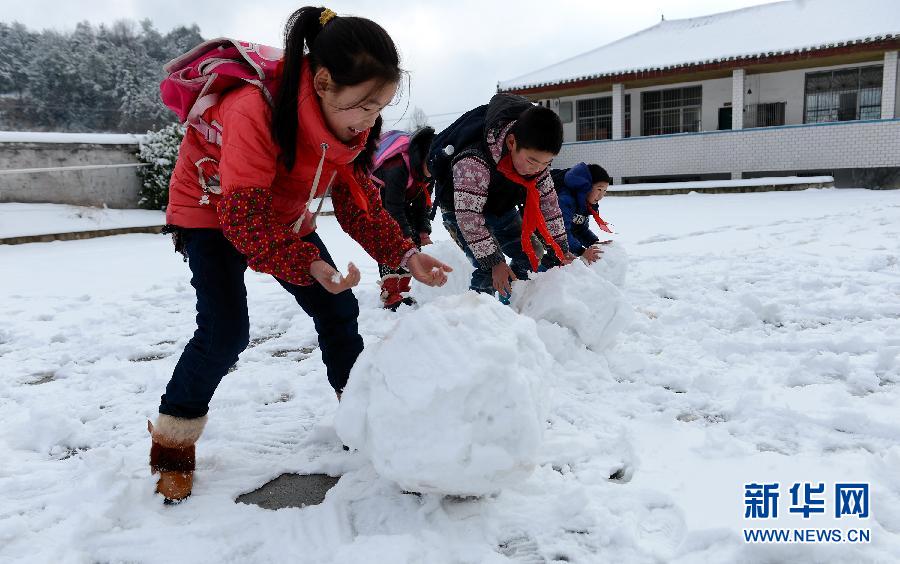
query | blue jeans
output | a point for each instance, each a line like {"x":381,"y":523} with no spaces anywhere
{"x":223,"y":327}
{"x":507,"y":230}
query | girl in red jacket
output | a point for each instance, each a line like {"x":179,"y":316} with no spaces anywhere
{"x":317,"y":136}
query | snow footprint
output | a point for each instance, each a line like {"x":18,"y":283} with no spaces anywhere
{"x":522,"y":549}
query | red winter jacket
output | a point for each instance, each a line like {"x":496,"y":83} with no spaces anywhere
{"x":261,"y":200}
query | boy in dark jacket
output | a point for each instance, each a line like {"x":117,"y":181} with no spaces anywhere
{"x":504,"y":169}
{"x":580,"y":188}
{"x":405,"y":182}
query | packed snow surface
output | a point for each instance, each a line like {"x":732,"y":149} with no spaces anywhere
{"x":763,"y":348}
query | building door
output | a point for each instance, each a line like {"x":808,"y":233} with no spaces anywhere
{"x":724,"y":118}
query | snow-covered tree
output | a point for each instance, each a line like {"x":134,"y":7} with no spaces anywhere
{"x":159,"y":151}
{"x":17,"y":44}
{"x":103,"y":78}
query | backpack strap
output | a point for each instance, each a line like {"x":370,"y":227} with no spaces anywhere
{"x":472,"y":152}
{"x":212,"y":132}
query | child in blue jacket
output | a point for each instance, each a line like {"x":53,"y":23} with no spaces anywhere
{"x":579,"y":190}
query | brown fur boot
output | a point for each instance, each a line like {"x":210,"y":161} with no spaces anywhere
{"x":172,"y":454}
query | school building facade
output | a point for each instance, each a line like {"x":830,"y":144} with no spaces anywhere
{"x":790,"y":88}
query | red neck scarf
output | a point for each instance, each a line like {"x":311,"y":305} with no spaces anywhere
{"x":600,"y":223}
{"x":533,"y":219}
{"x":314,"y":133}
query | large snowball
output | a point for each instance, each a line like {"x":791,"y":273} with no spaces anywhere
{"x":457,"y":282}
{"x":613,"y":264}
{"x":452,"y":401}
{"x":576,"y":297}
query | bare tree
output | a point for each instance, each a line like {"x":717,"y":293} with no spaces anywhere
{"x":418,"y":120}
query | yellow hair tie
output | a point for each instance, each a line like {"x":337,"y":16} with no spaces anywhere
{"x":327,"y":16}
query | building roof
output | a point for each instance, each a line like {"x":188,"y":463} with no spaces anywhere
{"x":770,"y":29}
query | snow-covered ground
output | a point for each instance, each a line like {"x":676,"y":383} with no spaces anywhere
{"x":764,"y":348}
{"x":746,"y":182}
{"x":17,"y":220}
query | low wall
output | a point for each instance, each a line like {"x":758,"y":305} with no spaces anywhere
{"x":78,"y":169}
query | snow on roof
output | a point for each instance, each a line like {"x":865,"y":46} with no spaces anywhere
{"x":53,"y":137}
{"x":782,"y":27}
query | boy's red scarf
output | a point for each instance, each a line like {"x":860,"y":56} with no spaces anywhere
{"x":533,"y":219}
{"x":602,"y":224}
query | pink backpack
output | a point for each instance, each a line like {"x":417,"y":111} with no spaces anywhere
{"x":391,"y":144}
{"x":195,"y":83}
{"x":197,"y":78}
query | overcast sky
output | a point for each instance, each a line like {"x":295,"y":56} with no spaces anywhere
{"x":455,"y":51}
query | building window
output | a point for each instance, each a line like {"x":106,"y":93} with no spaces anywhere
{"x":565,"y":112}
{"x":594,"y":117}
{"x":676,"y":110}
{"x":764,"y":115}
{"x":843,"y":95}
{"x":627,"y":127}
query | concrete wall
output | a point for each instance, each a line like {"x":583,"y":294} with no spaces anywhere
{"x":890,"y":90}
{"x":897,"y":91}
{"x":114,"y":188}
{"x":853,"y":145}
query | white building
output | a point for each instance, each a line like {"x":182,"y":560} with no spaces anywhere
{"x":815,"y":82}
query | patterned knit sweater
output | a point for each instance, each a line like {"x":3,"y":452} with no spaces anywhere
{"x":471,"y":181}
